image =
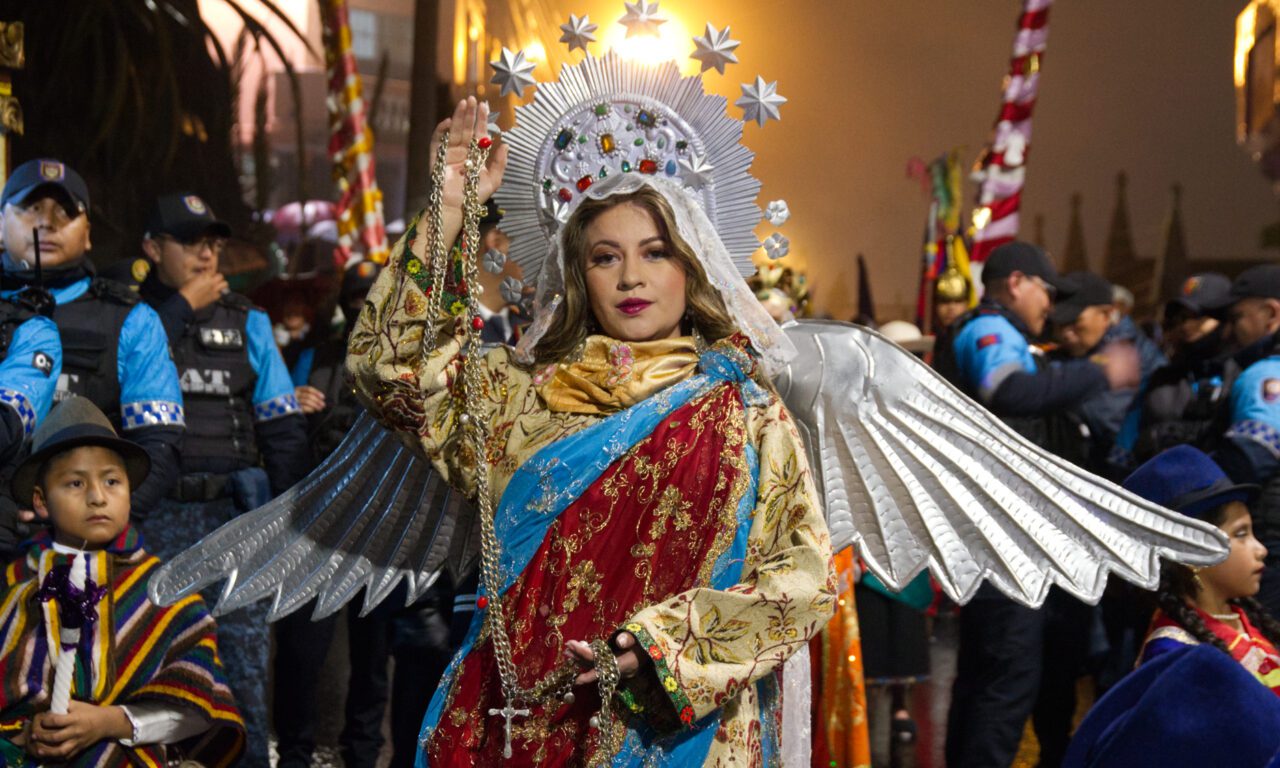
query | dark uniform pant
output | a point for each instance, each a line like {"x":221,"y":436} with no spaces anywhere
{"x":244,"y":642}
{"x":1014,"y":662}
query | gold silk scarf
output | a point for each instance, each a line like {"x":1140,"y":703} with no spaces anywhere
{"x":612,"y":375}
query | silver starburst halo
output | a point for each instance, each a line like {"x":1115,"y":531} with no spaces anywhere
{"x":610,"y":115}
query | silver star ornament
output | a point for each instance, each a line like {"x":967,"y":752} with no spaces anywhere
{"x":512,"y":290}
{"x":494,"y":261}
{"x":641,"y":18}
{"x":776,"y":246}
{"x":696,"y":171}
{"x":578,"y":32}
{"x":760,"y":101}
{"x":715,"y":49}
{"x":491,"y":124}
{"x":513,"y":73}
{"x":777,"y":213}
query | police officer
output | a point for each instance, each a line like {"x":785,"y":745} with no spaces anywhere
{"x":1250,"y":448}
{"x":28,"y":377}
{"x":114,"y":348}
{"x":1182,"y":400}
{"x":988,"y":354}
{"x":1086,"y":322}
{"x":246,"y":438}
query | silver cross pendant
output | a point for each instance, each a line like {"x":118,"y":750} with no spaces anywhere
{"x":508,"y":713}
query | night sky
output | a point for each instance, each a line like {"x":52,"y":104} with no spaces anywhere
{"x":1134,"y":85}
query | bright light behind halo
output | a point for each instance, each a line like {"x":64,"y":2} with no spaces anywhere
{"x":674,"y":43}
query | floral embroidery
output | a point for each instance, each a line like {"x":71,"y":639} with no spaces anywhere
{"x":544,"y":375}
{"x":668,"y":680}
{"x":622,"y":361}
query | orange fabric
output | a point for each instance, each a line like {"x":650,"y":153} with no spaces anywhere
{"x":840,"y":735}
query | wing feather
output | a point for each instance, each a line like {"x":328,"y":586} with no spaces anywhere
{"x":918,"y":475}
{"x":373,"y":515}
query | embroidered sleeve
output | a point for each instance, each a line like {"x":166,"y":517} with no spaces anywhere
{"x":407,"y":366}
{"x":705,"y":645}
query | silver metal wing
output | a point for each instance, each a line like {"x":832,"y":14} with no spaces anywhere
{"x":918,"y":475}
{"x":372,"y":515}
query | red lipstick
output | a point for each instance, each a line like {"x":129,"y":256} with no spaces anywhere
{"x":633,"y":306}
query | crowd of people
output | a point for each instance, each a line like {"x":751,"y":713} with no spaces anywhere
{"x":176,"y":412}
{"x":1187,"y":415}
{"x":211,"y":423}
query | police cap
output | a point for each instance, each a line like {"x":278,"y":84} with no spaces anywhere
{"x":1082,"y":289}
{"x":1026,"y":258}
{"x":1204,"y":294}
{"x":48,"y":175}
{"x":186,"y":218}
{"x":1260,"y":282}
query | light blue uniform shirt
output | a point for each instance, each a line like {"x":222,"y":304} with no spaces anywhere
{"x":30,"y":370}
{"x":989,"y":349}
{"x":150,"y":394}
{"x":273,"y":394}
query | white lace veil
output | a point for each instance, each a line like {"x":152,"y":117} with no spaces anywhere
{"x":768,"y":340}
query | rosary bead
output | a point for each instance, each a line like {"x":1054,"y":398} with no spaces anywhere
{"x":569,"y":698}
{"x":594,"y":722}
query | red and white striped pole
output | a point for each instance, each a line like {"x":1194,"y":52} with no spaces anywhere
{"x":359,"y":205}
{"x":1001,"y":170}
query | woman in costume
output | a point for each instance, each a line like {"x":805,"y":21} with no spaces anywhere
{"x":661,"y":537}
{"x":643,"y":498}
{"x":1214,"y":605}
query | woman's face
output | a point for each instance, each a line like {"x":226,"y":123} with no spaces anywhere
{"x":635,"y":286}
{"x":1241,"y":573}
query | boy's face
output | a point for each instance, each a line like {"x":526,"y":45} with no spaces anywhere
{"x":85,"y":493}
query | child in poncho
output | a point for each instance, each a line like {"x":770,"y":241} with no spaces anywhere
{"x":147,"y":686}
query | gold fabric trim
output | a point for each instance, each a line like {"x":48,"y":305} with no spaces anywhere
{"x":613,"y":375}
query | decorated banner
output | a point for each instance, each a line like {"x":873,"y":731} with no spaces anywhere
{"x":359,"y":208}
{"x":944,"y":250}
{"x":1001,"y":170}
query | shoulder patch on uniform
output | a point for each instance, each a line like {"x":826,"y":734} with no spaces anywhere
{"x":140,"y":269}
{"x":1270,"y":390}
{"x":42,"y":363}
{"x":990,"y":339}
{"x":111,"y":290}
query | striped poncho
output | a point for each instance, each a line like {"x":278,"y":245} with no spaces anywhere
{"x":137,"y":652}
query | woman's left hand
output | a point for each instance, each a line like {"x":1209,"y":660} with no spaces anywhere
{"x":628,"y":660}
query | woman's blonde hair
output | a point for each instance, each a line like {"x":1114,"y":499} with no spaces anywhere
{"x":573,"y":320}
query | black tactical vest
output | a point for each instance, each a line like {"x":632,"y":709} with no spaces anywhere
{"x":89,"y":328}
{"x":217,"y":388}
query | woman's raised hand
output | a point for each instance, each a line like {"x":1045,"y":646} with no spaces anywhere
{"x":469,"y":121}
